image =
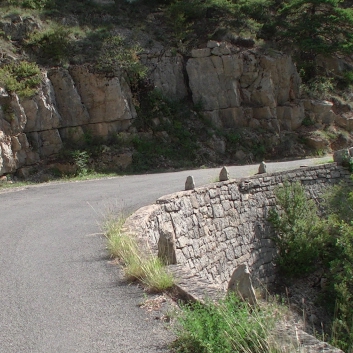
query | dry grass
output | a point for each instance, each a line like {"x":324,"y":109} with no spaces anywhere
{"x":144,"y":267}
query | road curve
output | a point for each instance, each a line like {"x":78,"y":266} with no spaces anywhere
{"x":58,"y":291}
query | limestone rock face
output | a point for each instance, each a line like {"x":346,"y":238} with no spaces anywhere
{"x":67,"y":105}
{"x":246,"y":89}
{"x":214,"y":81}
{"x":68,"y":101}
{"x":106,"y":99}
{"x":41,"y":110}
{"x":167,"y":75}
{"x":235,"y":88}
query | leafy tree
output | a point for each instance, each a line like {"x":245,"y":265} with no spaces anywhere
{"x":314,"y":27}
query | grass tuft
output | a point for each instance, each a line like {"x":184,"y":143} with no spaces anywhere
{"x":143,"y":267}
{"x":226,"y":327}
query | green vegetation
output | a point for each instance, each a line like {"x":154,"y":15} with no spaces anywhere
{"x":52,"y":46}
{"x":226,"y":327}
{"x":21,"y":77}
{"x":81,"y":162}
{"x":173,"y":133}
{"x":307,"y":241}
{"x":298,"y":230}
{"x":116,"y":55}
{"x":138,"y":265}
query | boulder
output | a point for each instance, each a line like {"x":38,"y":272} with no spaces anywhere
{"x":18,"y":28}
{"x":320,"y":111}
{"x":200,"y":53}
{"x":345,"y":121}
{"x":317,"y":142}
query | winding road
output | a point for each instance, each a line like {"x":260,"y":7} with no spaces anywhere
{"x":59,"y":293}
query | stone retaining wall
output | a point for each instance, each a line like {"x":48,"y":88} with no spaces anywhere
{"x":211,"y":230}
{"x":206,"y":233}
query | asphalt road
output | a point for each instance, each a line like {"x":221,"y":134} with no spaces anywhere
{"x":59,"y":293}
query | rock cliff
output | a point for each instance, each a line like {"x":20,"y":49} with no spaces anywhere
{"x":234,"y":88}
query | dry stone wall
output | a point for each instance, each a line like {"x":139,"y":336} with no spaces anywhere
{"x":211,"y":230}
{"x":208,"y":232}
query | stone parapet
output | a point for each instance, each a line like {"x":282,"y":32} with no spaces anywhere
{"x":213,"y":229}
{"x":204,"y":234}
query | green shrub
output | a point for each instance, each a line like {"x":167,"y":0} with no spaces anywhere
{"x":341,"y":275}
{"x":81,"y":161}
{"x":225,"y":327}
{"x":339,"y":205}
{"x":117,"y":55}
{"x":21,"y":77}
{"x":314,"y":27}
{"x":155,"y":276}
{"x":318,"y":87}
{"x":32,"y":4}
{"x":52,"y":46}
{"x":174,"y":139}
{"x":299,"y":233}
{"x":304,"y":239}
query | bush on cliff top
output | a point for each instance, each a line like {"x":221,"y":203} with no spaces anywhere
{"x":21,"y":77}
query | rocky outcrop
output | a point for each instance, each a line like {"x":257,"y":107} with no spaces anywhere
{"x":18,"y":28}
{"x":67,"y":106}
{"x":167,"y":74}
{"x":250,"y":88}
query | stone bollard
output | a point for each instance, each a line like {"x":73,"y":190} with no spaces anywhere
{"x":224,"y":174}
{"x":342,"y":156}
{"x":189,"y":184}
{"x":262,"y":168}
{"x":241,"y":284}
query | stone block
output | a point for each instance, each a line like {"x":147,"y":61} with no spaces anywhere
{"x":341,"y":156}
{"x":224,"y":174}
{"x":200,"y":53}
{"x":241,"y":284}
{"x":262,"y":168}
{"x":189,"y":183}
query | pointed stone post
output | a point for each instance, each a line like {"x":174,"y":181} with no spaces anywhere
{"x":262,"y":168}
{"x":189,"y":184}
{"x":224,"y":174}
